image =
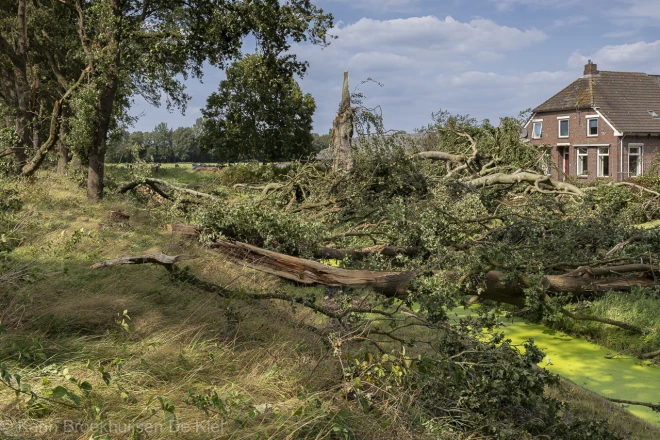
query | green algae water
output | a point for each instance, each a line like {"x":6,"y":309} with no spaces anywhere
{"x":589,"y":365}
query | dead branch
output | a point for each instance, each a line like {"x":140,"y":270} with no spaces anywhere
{"x":620,"y":246}
{"x":155,"y":258}
{"x":630,"y":184}
{"x":612,"y":270}
{"x":248,"y":187}
{"x":583,"y":317}
{"x":528,"y":177}
{"x":395,"y":284}
{"x":654,"y":407}
{"x":152,"y":182}
{"x":439,"y":155}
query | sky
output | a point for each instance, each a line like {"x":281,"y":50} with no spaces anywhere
{"x":485,"y":58}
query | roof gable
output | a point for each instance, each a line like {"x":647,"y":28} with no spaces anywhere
{"x":624,"y":98}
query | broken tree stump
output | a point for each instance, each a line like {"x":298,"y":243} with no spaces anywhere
{"x":342,"y":132}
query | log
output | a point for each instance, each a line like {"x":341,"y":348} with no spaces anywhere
{"x":155,"y":257}
{"x":300,"y":270}
{"x":395,"y":284}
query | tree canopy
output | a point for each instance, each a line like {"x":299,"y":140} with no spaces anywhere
{"x":259,"y":113}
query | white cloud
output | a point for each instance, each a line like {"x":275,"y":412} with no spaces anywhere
{"x":397,"y":5}
{"x":511,"y":4}
{"x":408,"y":55}
{"x":637,"y":57}
{"x":572,"y":20}
{"x":648,"y":9}
{"x":430,"y":40}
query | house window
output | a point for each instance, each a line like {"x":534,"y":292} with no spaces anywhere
{"x":582,"y":162}
{"x":592,"y":127}
{"x":634,"y":161}
{"x":563,"y":128}
{"x":537,"y":128}
{"x":603,"y":162}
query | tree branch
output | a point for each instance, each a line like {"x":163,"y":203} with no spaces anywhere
{"x":154,"y":258}
{"x":583,"y":317}
{"x":150,"y":182}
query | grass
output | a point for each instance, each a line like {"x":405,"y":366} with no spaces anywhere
{"x":639,"y":308}
{"x":177,"y":341}
{"x":255,"y":364}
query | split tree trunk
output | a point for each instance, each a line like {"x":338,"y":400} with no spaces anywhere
{"x":342,"y":133}
{"x":395,"y":284}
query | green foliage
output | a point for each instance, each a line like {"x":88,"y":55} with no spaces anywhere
{"x":259,"y":113}
{"x":261,"y":225}
{"x":162,"y":145}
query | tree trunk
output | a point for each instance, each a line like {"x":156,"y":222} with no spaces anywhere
{"x":104,"y":109}
{"x":19,"y":62}
{"x":96,"y":153}
{"x":395,"y":284}
{"x":62,"y":147}
{"x":342,"y":133}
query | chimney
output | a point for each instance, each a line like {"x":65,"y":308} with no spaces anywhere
{"x":590,"y":69}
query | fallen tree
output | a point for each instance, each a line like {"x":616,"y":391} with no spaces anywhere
{"x":495,"y":285}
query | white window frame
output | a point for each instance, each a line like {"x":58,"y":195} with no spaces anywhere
{"x":561,"y":119}
{"x":640,"y":159}
{"x":594,"y":118}
{"x":579,"y":154}
{"x":599,"y":167}
{"x":534,"y":122}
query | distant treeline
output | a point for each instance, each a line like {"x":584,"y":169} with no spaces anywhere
{"x":168,"y":145}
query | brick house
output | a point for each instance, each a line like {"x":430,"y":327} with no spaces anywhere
{"x":603,"y":125}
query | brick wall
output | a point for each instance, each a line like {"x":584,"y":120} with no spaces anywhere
{"x":650,"y":150}
{"x":577,"y":135}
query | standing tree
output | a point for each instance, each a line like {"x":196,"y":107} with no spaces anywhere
{"x":259,"y":113}
{"x":134,"y":47}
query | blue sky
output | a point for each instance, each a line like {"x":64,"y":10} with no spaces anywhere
{"x":486,"y":58}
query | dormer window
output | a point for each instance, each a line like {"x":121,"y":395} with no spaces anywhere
{"x":592,"y":127}
{"x":563,"y":126}
{"x":537,"y":129}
